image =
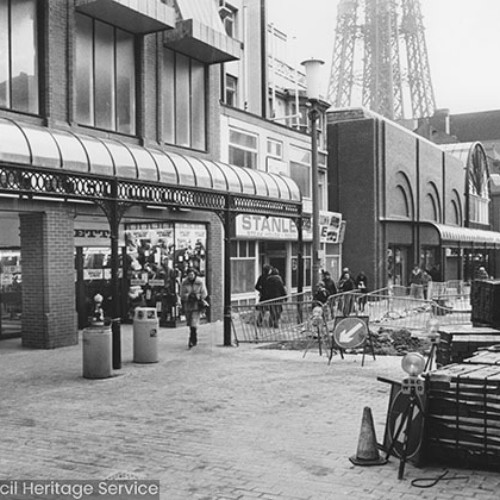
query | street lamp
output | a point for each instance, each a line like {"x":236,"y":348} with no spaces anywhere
{"x":313,"y":83}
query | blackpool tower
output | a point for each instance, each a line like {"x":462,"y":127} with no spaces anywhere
{"x":380,"y":59}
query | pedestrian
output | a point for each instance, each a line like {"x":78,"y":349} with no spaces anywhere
{"x":329,"y":283}
{"x":193,"y":295}
{"x":416,"y":283}
{"x":347,"y":287}
{"x":362,"y":287}
{"x":427,"y":284}
{"x":261,"y":288}
{"x":275,"y":289}
{"x":169,"y":294}
{"x":321,"y":294}
{"x":435,"y":273}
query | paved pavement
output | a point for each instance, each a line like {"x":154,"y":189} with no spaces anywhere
{"x":213,"y":423}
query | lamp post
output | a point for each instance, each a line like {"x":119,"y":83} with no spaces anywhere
{"x":313,"y":82}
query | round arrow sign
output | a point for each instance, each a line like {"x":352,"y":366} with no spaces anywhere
{"x":350,"y":333}
{"x":396,"y":414}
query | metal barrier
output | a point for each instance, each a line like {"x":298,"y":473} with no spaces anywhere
{"x":298,"y":318}
{"x":291,"y":318}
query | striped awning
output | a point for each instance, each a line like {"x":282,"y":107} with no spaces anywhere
{"x":38,"y":147}
{"x":467,"y":236}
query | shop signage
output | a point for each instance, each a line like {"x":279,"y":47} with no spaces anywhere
{"x":278,"y":228}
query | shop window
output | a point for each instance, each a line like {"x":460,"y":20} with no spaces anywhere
{"x":10,"y":291}
{"x":397,"y":268}
{"x":242,"y":149}
{"x":105,"y":76}
{"x":183,"y":101}
{"x":243,"y":267}
{"x":19,"y":79}
{"x":158,"y":256}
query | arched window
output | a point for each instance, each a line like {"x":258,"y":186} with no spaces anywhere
{"x":403,"y":200}
{"x":477,"y":183}
{"x":454,"y":212}
{"x":402,"y":206}
{"x":431,"y":209}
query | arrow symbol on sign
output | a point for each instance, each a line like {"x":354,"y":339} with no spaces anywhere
{"x":397,"y":423}
{"x":347,"y":335}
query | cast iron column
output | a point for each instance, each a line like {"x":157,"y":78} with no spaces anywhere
{"x":114,"y":225}
{"x":314,"y":115}
{"x":227,"y":273}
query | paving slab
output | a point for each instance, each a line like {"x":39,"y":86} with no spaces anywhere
{"x":211,"y":423}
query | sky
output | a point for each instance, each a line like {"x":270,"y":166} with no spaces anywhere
{"x":462,"y":38}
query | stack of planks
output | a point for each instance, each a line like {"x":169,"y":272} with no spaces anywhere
{"x":463,"y":413}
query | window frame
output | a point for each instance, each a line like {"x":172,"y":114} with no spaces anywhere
{"x":170,"y":135}
{"x":231,"y":91}
{"x":250,"y":155}
{"x":37,"y":65}
{"x":243,"y":251}
{"x":116,"y":96}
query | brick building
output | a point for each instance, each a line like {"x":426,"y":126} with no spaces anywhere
{"x":110,"y":138}
{"x":408,"y":201}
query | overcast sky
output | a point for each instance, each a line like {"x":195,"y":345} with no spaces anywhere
{"x":462,"y":36}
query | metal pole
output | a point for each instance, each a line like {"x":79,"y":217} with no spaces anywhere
{"x":114,"y":224}
{"x":314,"y":115}
{"x":227,"y":276}
{"x":300,"y":255}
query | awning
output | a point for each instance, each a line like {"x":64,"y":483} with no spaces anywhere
{"x":38,"y":147}
{"x":467,"y":237}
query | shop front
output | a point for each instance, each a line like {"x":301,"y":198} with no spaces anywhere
{"x":446,"y":252}
{"x":264,"y":240}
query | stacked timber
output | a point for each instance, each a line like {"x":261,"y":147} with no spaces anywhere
{"x":463,"y":413}
{"x":485,"y":301}
{"x":459,"y":342}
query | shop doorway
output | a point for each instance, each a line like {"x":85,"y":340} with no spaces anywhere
{"x":274,"y":253}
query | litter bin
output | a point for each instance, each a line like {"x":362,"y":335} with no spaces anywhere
{"x":145,"y":342}
{"x":97,"y":359}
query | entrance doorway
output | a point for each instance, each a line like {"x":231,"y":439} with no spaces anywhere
{"x":274,"y":253}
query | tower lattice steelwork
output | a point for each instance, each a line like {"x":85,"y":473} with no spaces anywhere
{"x":380,"y":59}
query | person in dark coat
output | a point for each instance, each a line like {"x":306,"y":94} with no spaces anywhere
{"x":321,"y":294}
{"x":329,"y":283}
{"x":193,"y":295}
{"x":275,"y":289}
{"x":362,"y":287}
{"x":261,"y":287}
{"x":347,"y":287}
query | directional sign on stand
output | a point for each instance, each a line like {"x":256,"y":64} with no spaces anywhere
{"x":394,"y":417}
{"x":351,"y":332}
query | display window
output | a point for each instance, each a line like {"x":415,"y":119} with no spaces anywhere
{"x":11,"y":292}
{"x":158,"y":256}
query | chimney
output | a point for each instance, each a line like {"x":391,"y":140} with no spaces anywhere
{"x":440,"y":120}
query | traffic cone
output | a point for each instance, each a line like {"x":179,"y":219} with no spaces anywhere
{"x":367,"y":453}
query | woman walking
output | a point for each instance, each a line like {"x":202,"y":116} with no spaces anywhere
{"x":193,"y":297}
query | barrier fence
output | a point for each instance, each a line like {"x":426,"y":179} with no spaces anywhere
{"x":298,"y":318}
